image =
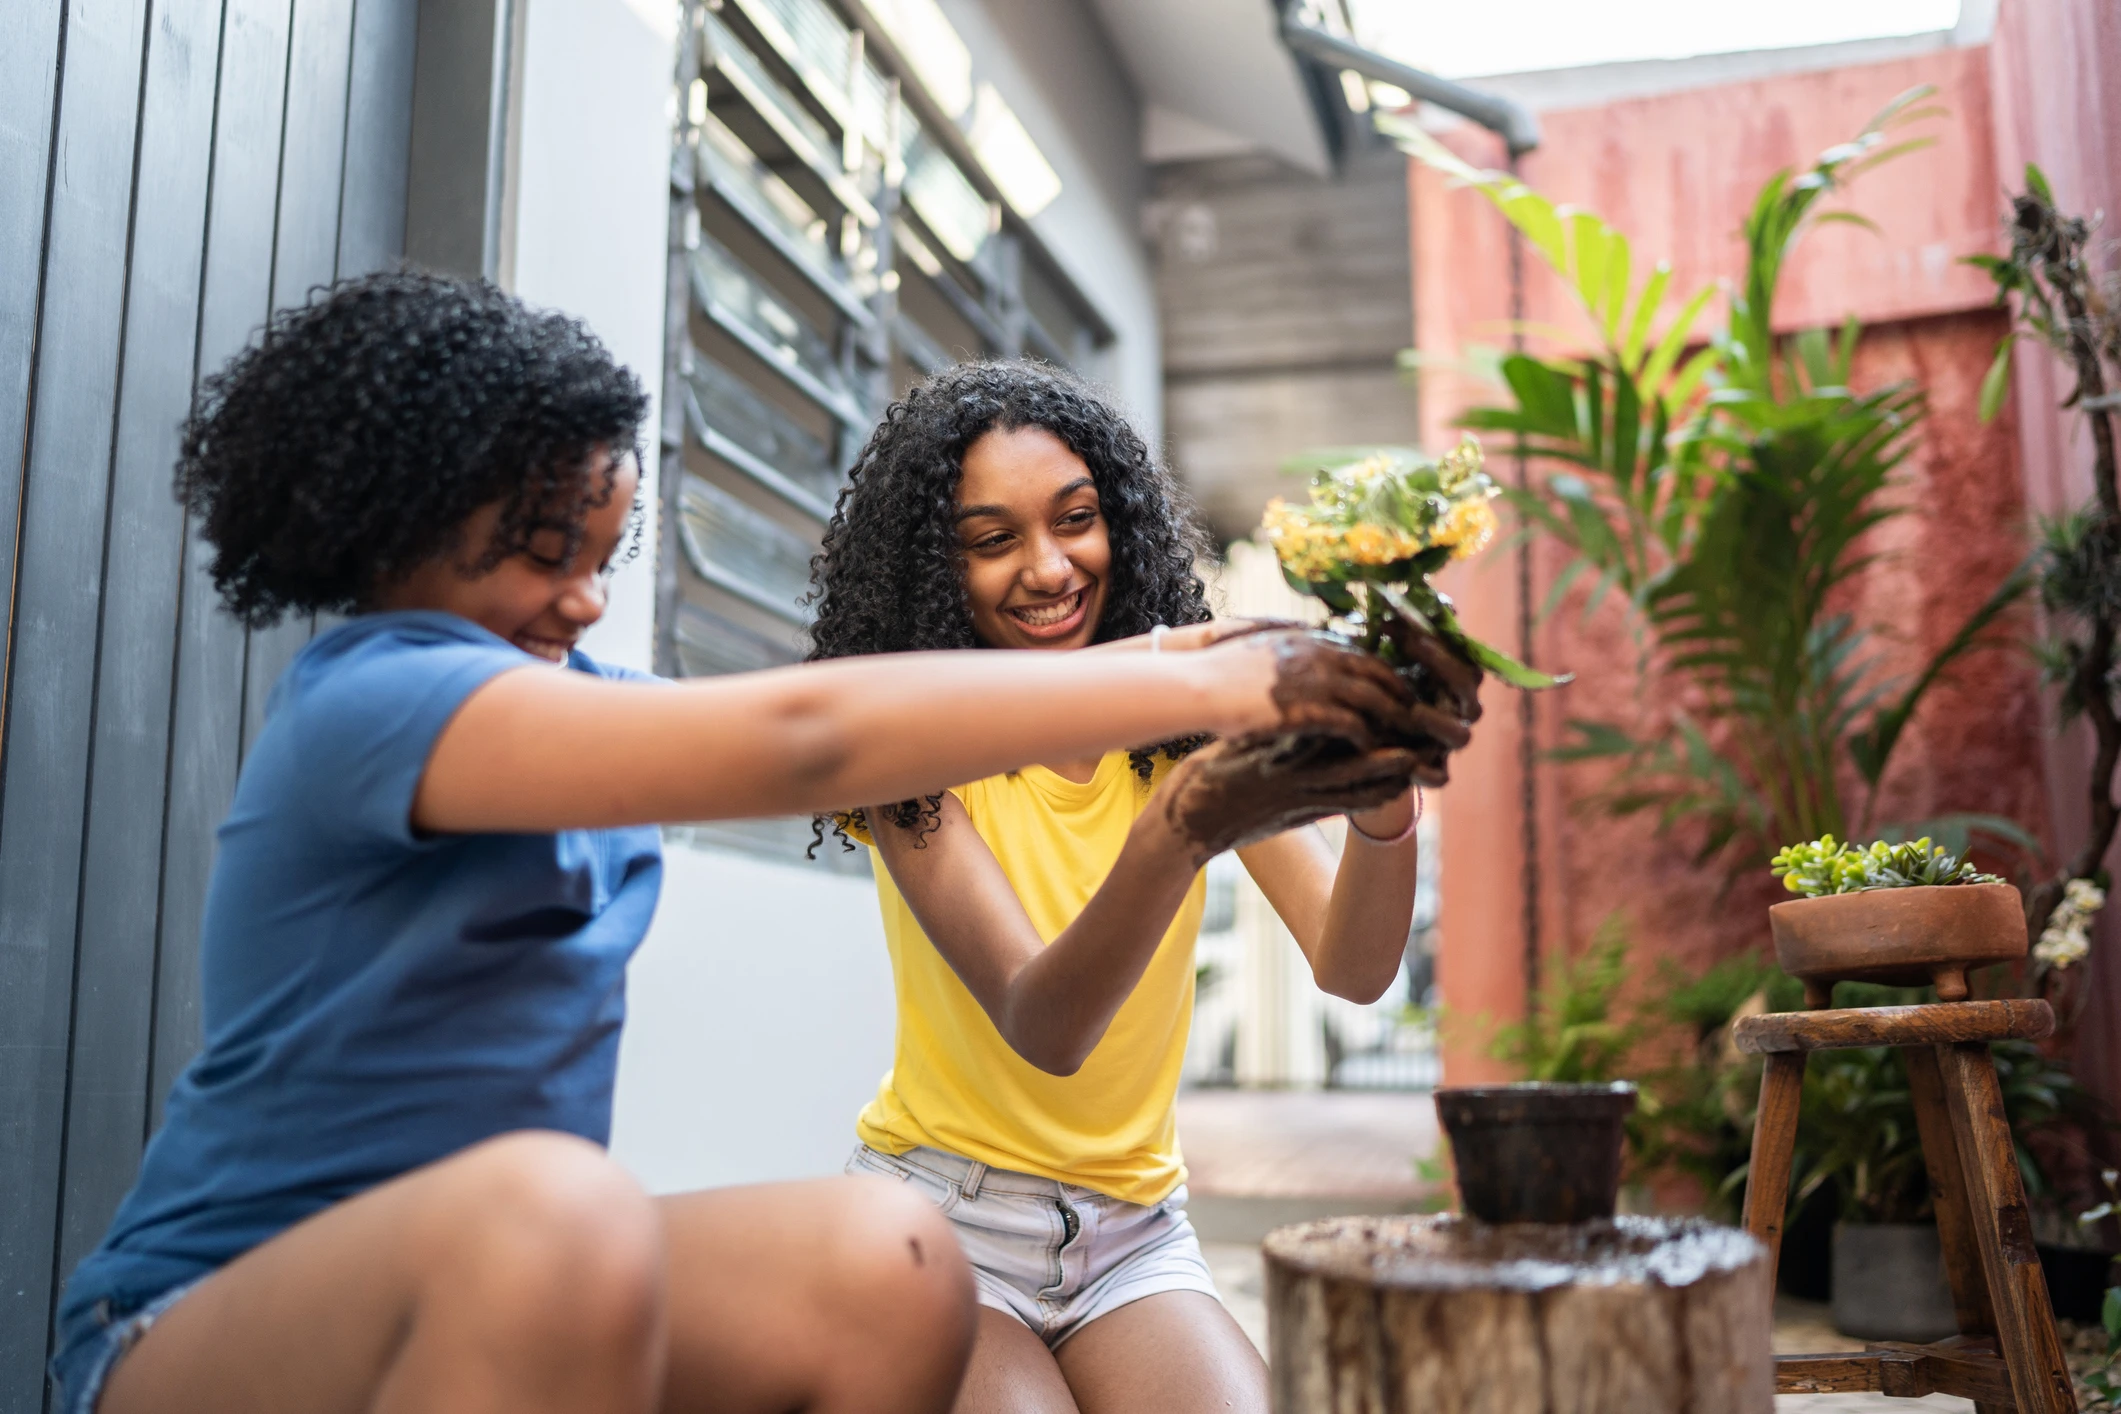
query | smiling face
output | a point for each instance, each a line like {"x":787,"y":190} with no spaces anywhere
{"x":1036,"y":553}
{"x":538,"y":600}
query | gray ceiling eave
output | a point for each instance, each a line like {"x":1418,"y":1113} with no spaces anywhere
{"x":1220,"y":62}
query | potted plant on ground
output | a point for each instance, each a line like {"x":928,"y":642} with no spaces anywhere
{"x":1897,"y":914}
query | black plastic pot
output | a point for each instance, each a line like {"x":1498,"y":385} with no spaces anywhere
{"x":2077,"y":1279}
{"x":1537,"y":1153}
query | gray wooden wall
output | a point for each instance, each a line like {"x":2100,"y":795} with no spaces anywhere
{"x":170,"y":171}
{"x":1285,"y":300}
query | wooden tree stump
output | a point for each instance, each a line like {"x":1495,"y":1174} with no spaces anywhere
{"x":1444,"y":1315}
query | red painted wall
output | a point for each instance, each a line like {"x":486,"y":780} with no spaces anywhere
{"x":1677,"y":172}
{"x":2055,"y":73}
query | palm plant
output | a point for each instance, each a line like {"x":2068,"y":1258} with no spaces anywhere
{"x":1728,"y":493}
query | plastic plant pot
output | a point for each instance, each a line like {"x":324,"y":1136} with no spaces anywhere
{"x":1537,"y":1153}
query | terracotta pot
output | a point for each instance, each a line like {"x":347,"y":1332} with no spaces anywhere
{"x":1900,"y":937}
{"x":1537,"y":1153}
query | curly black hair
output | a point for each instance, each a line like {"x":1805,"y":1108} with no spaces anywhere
{"x":351,"y":442}
{"x":890,"y":577}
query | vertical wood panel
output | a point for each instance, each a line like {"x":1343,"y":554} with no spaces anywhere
{"x":378,"y":137}
{"x":66,"y":481}
{"x":120,"y":875}
{"x":206,"y":158}
{"x":29,"y":70}
{"x":306,"y":248}
{"x":207,"y":707}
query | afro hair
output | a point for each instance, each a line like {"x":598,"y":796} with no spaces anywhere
{"x":351,"y":442}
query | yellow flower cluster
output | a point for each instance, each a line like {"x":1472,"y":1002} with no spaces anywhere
{"x":1467,"y":529}
{"x":1345,"y":525}
{"x":1306,"y":548}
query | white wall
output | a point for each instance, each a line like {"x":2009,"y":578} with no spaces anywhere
{"x":1054,"y":64}
{"x":761,"y":1021}
{"x":592,"y":208}
{"x":761,"y":1010}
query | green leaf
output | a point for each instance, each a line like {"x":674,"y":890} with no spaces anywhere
{"x":1511,"y":671}
{"x":2037,"y":181}
{"x":1546,"y":394}
{"x":1645,"y":315}
{"x":1593,"y":741}
{"x":1590,"y":246}
{"x":1617,"y":276}
{"x":1405,"y":607}
{"x":1850,"y":218}
{"x":1901,"y":110}
{"x":1996,"y":383}
{"x":1654,"y":372}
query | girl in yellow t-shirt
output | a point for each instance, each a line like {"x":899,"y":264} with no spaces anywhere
{"x":1042,"y":923}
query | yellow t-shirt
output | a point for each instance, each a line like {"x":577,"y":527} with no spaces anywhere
{"x":955,"y":1084}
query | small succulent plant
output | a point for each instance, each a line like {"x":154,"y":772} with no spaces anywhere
{"x":1825,"y":866}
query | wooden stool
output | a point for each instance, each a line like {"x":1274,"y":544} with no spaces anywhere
{"x":2007,"y":1354}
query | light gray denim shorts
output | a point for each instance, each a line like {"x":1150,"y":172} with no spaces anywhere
{"x":1051,"y":1254}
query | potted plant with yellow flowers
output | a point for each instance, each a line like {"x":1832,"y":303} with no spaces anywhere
{"x":1365,"y":542}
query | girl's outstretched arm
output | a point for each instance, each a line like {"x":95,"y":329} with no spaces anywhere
{"x":1053,"y":1004}
{"x":1350,"y":919}
{"x":538,"y":749}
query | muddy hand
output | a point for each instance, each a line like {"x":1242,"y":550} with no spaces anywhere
{"x":1233,"y":794}
{"x":1321,"y":686}
{"x":1456,"y":679}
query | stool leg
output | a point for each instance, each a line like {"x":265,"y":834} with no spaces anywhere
{"x":1955,"y":1230}
{"x":1767,"y":1179}
{"x":1995,"y":1203}
{"x":1940,"y":1155}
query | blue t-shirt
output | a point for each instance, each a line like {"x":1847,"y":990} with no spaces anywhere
{"x":374,"y":999}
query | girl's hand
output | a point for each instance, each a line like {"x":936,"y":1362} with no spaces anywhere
{"x":1231,"y":794}
{"x":1285,"y":680}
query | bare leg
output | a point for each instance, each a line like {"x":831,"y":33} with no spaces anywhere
{"x":838,"y":1294}
{"x":523,"y":1274}
{"x":1175,"y":1352}
{"x":1012,"y":1372}
{"x":530,"y":1275}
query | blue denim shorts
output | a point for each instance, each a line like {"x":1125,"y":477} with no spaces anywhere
{"x":1054,"y":1255}
{"x":95,"y":1344}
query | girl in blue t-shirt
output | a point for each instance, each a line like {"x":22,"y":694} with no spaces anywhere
{"x":382,"y":1184}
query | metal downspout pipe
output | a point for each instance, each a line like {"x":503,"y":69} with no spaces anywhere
{"x":1506,"y":117}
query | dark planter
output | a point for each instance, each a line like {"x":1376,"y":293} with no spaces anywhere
{"x":1889,"y":1282}
{"x":1806,"y":1270}
{"x":2077,"y":1279}
{"x":1537,"y":1153}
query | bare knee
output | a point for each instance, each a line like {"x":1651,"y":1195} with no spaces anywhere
{"x":898,"y":1271}
{"x":556,"y":1241}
